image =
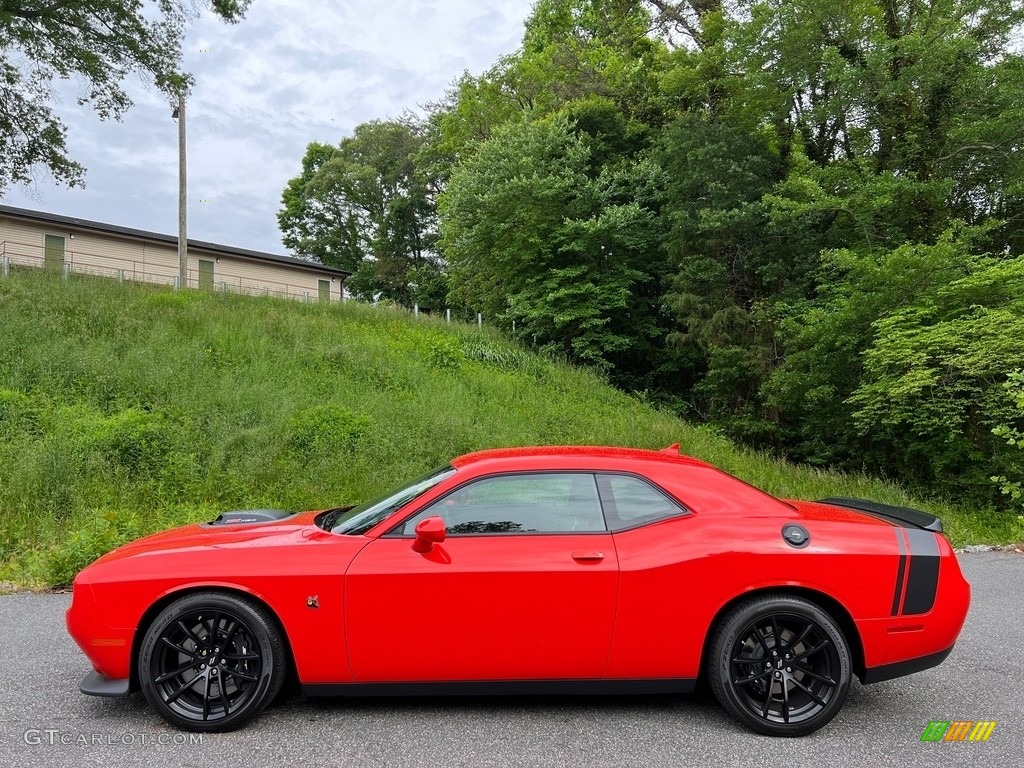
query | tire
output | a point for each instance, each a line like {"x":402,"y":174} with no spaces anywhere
{"x":211,"y":661}
{"x":780,"y":665}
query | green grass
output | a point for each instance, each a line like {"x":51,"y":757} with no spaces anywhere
{"x":128,"y":408}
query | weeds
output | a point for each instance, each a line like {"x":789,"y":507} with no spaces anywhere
{"x":128,"y":408}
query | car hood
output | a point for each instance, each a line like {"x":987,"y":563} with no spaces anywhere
{"x":217,"y":534}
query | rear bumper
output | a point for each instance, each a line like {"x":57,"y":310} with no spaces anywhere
{"x":901,"y":668}
{"x":96,"y":684}
{"x":911,"y":640}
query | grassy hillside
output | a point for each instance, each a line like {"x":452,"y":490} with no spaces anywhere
{"x":127,"y":408}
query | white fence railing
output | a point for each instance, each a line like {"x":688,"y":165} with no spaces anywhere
{"x":14,"y":254}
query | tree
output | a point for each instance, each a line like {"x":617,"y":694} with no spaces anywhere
{"x":728,"y":258}
{"x":933,"y":385}
{"x":574,"y":49}
{"x":888,"y":122}
{"x":782,"y":214}
{"x":544,"y":227}
{"x":825,"y":338}
{"x":471,"y":109}
{"x":889,"y":80}
{"x":687,"y":20}
{"x":366,"y":206}
{"x":1013,"y":434}
{"x":316,"y":220}
{"x":100,"y":42}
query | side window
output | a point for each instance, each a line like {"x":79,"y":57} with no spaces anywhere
{"x":630,"y":501}
{"x":534,"y":503}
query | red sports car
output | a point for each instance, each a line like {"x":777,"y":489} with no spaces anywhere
{"x":565,"y":570}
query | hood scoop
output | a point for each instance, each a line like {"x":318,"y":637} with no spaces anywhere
{"x":250,"y":516}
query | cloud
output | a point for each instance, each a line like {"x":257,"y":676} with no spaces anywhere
{"x":294,"y":71}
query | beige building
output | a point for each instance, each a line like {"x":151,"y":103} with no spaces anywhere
{"x":69,"y":245}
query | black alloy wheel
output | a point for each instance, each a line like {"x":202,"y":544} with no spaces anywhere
{"x":211,"y":661}
{"x":781,"y":665}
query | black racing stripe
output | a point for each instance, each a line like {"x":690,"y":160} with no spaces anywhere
{"x":923,"y":574}
{"x":900,"y":570}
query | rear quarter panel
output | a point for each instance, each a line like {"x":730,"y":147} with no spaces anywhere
{"x":679,"y":575}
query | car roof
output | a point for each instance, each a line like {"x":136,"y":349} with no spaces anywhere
{"x":527,"y":453}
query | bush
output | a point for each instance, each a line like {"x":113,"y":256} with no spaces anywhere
{"x":136,"y":440}
{"x":18,"y":413}
{"x":325,"y":429}
{"x":445,"y":353}
{"x":504,"y":356}
{"x":1012,"y":486}
{"x":102,"y":532}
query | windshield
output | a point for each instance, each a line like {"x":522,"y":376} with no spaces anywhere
{"x":361,"y":518}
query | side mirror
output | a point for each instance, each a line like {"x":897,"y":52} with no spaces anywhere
{"x":429,"y":531}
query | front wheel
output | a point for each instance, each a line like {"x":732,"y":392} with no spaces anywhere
{"x":211,"y":661}
{"x":780,"y":664}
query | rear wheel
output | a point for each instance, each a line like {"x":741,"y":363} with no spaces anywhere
{"x":211,"y":661}
{"x":780,"y":664}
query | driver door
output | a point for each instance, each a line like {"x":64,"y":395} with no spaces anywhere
{"x":522,"y":588}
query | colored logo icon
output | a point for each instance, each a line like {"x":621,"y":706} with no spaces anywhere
{"x":958,"y":730}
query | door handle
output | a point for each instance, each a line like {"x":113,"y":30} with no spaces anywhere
{"x":587,"y":557}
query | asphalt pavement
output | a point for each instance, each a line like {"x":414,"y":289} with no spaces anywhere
{"x":45,"y":721}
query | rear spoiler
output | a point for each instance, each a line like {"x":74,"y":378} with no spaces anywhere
{"x":903,"y":516}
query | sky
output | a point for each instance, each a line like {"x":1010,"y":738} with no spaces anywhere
{"x":292,"y":72}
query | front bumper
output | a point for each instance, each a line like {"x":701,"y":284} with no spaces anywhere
{"x":109,"y":649}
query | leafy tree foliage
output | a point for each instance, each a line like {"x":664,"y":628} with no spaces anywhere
{"x":1013,"y":433}
{"x":725,"y":261}
{"x":932,"y":391}
{"x":317,"y":222}
{"x":575,"y":49}
{"x":539,"y":231}
{"x":799,"y":221}
{"x":100,"y":42}
{"x":366,"y":207}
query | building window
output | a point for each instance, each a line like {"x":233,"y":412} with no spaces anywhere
{"x":206,"y":274}
{"x":53,"y":252}
{"x":324,"y":289}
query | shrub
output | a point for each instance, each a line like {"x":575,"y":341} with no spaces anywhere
{"x":18,"y":413}
{"x":1012,"y":486}
{"x":445,"y":353}
{"x":507,"y":357}
{"x":136,"y":440}
{"x":324,"y":429}
{"x":102,"y":532}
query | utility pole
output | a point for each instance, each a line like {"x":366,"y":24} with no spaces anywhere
{"x":179,"y":115}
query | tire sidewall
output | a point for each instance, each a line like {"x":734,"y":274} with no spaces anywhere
{"x":720,"y":662}
{"x":271,"y":672}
